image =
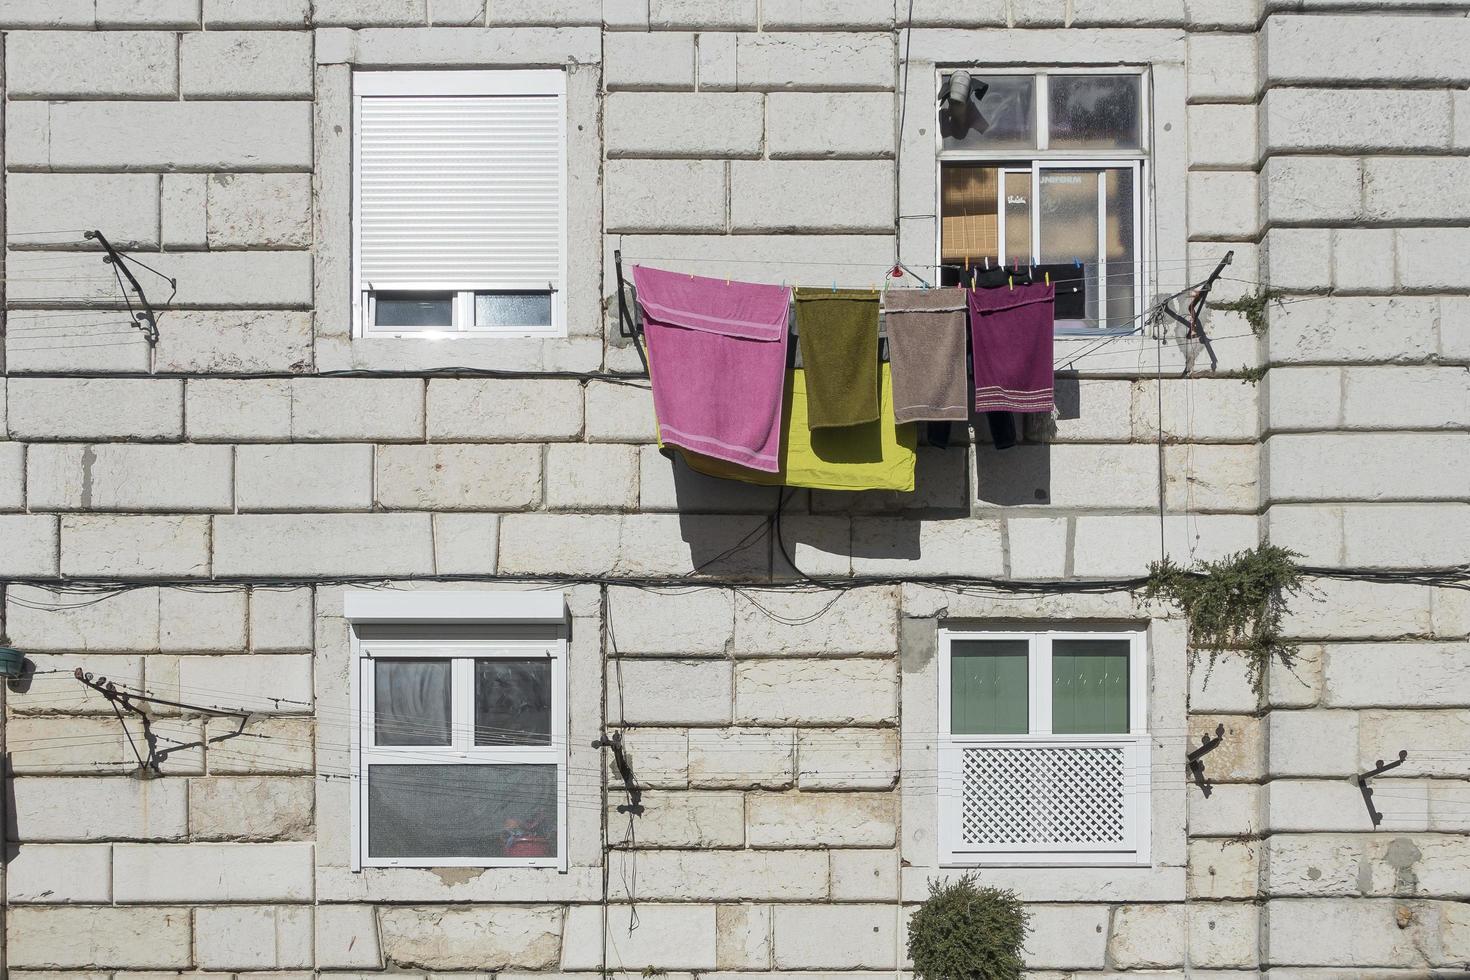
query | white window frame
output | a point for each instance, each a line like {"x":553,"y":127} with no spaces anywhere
{"x":1042,"y":157}
{"x":460,"y":627}
{"x":366,"y":84}
{"x":1136,"y":746}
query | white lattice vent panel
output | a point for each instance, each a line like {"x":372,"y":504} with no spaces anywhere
{"x":1074,"y":795}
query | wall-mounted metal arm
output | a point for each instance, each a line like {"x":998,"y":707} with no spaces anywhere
{"x":147,"y":319}
{"x":625,"y":772}
{"x":1379,"y":769}
{"x":1207,"y":744}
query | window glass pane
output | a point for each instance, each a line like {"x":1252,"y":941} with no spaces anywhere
{"x":1094,"y":111}
{"x":461,"y":811}
{"x":988,"y":687}
{"x":1089,"y":688}
{"x":1018,"y":216}
{"x":417,"y":310}
{"x":411,"y":702}
{"x":513,"y":309}
{"x":968,"y":200}
{"x":1118,"y":247}
{"x":1004,"y":118}
{"x":1069,"y":228}
{"x":512,"y":701}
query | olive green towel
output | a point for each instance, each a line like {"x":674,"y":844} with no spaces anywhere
{"x":838,"y":332}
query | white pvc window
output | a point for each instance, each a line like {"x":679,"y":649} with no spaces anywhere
{"x":460,"y":737}
{"x":459,"y":203}
{"x":1048,"y":171}
{"x":1043,"y":748}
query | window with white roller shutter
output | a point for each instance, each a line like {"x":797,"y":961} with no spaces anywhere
{"x":459,"y":203}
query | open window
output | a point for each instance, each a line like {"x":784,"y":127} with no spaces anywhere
{"x":1047,"y":170}
{"x":461,"y":734}
{"x":1043,"y":748}
{"x":459,"y":199}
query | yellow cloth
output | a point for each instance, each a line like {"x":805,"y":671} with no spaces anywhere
{"x":877,"y":455}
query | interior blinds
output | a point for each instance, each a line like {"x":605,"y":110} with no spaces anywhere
{"x":460,"y":192}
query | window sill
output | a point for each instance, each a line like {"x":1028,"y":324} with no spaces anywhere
{"x":1151,"y":883}
{"x":530,"y":354}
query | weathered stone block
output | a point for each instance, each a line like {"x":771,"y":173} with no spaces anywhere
{"x":743,"y":937}
{"x":245,"y":64}
{"x":1313,"y":743}
{"x":347,"y":937}
{"x":79,"y":65}
{"x":466,"y":544}
{"x":134,"y":547}
{"x":821,"y":819}
{"x":327,"y":544}
{"x":864,"y":875}
{"x":126,"y":204}
{"x":458,"y":477}
{"x":369,"y":13}
{"x":250,"y":808}
{"x":583,"y":477}
{"x":749,"y":758}
{"x":673,"y":692}
{"x":71,"y":808}
{"x":212,"y":873}
{"x":1311,"y":189}
{"x":1426,"y":258}
{"x":855,"y":622}
{"x":121,"y":622}
{"x":111,"y":938}
{"x":1224,"y":868}
{"x":274,"y":745}
{"x":253,"y":937}
{"x":1393,"y":46}
{"x":259,"y":683}
{"x":676,"y":124}
{"x":219,"y":410}
{"x":1147,"y":936}
{"x":835,"y":937}
{"x":684,"y":623}
{"x":349,"y":409}
{"x":664,"y":195}
{"x":30,"y":545}
{"x":95,"y":408}
{"x":667,"y":936}
{"x":802,"y":195}
{"x":203,"y":135}
{"x":60,"y":874}
{"x":1222,"y":67}
{"x":815,"y":691}
{"x":718,"y":875}
{"x":648,"y":61}
{"x":698,"y":819}
{"x":849,"y":62}
{"x":1366,"y":466}
{"x":498,"y":410}
{"x":1067,"y":937}
{"x":835,"y":758}
{"x":280,"y":619}
{"x":62,"y":476}
{"x":1355,"y":933}
{"x":1296,"y":119}
{"x":480,"y":938}
{"x":224,"y":14}
{"x":200,"y":622}
{"x":828,"y":124}
{"x":1223,"y":204}
{"x":259,"y":210}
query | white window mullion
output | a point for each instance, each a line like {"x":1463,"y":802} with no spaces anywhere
{"x":1043,"y":111}
{"x":1041,"y":683}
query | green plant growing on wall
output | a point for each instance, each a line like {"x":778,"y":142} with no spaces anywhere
{"x":1234,"y":605}
{"x":1252,"y":306}
{"x":966,"y":932}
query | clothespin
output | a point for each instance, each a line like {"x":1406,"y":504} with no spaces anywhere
{"x":987,"y":263}
{"x":727,"y":280}
{"x":1048,"y":278}
{"x":1012,"y":281}
{"x":834,"y":285}
{"x":1076,"y":261}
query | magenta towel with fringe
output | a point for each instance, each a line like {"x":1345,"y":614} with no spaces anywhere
{"x":717,"y":357}
{"x":1011,"y":345}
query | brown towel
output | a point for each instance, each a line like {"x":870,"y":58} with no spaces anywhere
{"x":926,"y":345}
{"x":838,"y":331}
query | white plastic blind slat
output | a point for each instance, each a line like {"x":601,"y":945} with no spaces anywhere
{"x":460,"y":191}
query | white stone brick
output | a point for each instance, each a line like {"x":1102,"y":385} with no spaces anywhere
{"x":1222,"y":66}
{"x":181,"y":211}
{"x":648,"y":61}
{"x":369,"y":13}
{"x":743,"y":937}
{"x":1231,"y":811}
{"x":201,"y":622}
{"x":796,"y":195}
{"x":1301,"y":258}
{"x":69,"y":808}
{"x":849,"y":62}
{"x":664,"y":195}
{"x":77,"y":65}
{"x":586,"y":12}
{"x":1394,"y":46}
{"x":61,"y":13}
{"x":716,"y":68}
{"x":1382,"y":733}
{"x":458,"y":477}
{"x":346,"y":409}
{"x":666,"y":483}
{"x":479,"y":938}
{"x":1222,"y":135}
{"x":821,"y":819}
{"x":666,"y":937}
{"x":274,"y":745}
{"x":1037,"y":548}
{"x":831,"y":758}
{"x":1416,"y":188}
{"x":205,"y":278}
{"x":1392,"y":329}
{"x":466,"y":544}
{"x":245,"y":64}
{"x":325,"y":544}
{"x":280,"y":619}
{"x":1224,"y":869}
{"x":1223,"y":204}
{"x":1395,"y":675}
{"x":702,"y":14}
{"x":1366,"y":466}
{"x":212,"y":873}
{"x":252,"y":937}
{"x":134,"y":547}
{"x":1362,"y":260}
{"x":1428,"y":258}
{"x":117,"y":476}
{"x":148,"y":13}
{"x":587,"y":477}
{"x":1067,"y":937}
{"x":815,"y":691}
{"x":221,"y":410}
{"x":347,"y":937}
{"x":1147,"y":936}
{"x":250,"y":808}
{"x":864,"y":875}
{"x":895,"y":547}
{"x":195,"y":135}
{"x":835,"y":937}
{"x":1125,"y":545}
{"x":1405,"y":536}
{"x":1303,"y":398}
{"x":28,"y":135}
{"x":1211,"y":478}
{"x":478,"y":47}
{"x":819,"y":623}
{"x":619,"y":413}
{"x":719,"y":875}
{"x":1354,"y":119}
{"x":228,"y":342}
{"x":753,"y":758}
{"x":498,"y":410}
{"x":1313,"y":743}
{"x":304,"y":477}
{"x":259,"y":210}
{"x":1311,"y":189}
{"x":112,"y":938}
{"x":1352,"y":609}
{"x":828,"y":124}
{"x":782,"y":15}
{"x":125,"y":205}
{"x":12,"y":476}
{"x":660,"y":757}
{"x":95,"y":408}
{"x":226,"y":14}
{"x":677,"y":124}
{"x":30,"y":546}
{"x":60,"y":874}
{"x":1348,"y":932}
{"x":670,"y":692}
{"x":36,"y":620}
{"x":699,"y":819}
{"x":684,"y":623}
{"x":259,"y":683}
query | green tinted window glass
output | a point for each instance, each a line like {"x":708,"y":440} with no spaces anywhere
{"x":988,"y":689}
{"x":1089,"y":687}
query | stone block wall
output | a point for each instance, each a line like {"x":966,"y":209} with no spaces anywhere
{"x":783,"y":736}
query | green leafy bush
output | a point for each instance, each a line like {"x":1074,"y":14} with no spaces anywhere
{"x":965,"y":932}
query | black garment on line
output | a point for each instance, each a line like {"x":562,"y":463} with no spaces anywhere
{"x":1002,"y":429}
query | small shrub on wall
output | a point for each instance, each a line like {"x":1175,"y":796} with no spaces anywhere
{"x":966,"y":932}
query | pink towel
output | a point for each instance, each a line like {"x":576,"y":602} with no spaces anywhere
{"x":1011,"y":342}
{"x":717,"y":356}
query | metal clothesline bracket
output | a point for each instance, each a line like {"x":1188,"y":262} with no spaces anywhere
{"x":1192,"y":325}
{"x":147,"y":319}
{"x":1207,"y":744}
{"x":625,"y":772}
{"x":136,"y":704}
{"x":1378,"y":769}
{"x":627,"y":326}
